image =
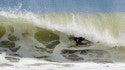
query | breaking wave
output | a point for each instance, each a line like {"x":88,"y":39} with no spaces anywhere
{"x":46,"y":35}
{"x":106,"y":28}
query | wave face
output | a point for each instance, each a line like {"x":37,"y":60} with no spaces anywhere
{"x":105,"y":28}
{"x":46,"y":35}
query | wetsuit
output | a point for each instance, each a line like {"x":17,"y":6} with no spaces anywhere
{"x":78,"y":40}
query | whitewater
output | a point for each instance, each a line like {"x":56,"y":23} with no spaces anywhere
{"x":41,"y":41}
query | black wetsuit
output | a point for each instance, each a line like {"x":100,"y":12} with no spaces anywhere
{"x":78,"y":40}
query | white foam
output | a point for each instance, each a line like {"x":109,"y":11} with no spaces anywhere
{"x":95,"y":27}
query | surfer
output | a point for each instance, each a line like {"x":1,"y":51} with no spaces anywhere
{"x":78,"y":40}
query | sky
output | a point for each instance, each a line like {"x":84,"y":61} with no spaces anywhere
{"x":63,"y":5}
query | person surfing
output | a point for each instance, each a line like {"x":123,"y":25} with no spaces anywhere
{"x":77,"y":40}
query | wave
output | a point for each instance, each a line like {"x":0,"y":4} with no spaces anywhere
{"x":107,"y":28}
{"x":46,"y":35}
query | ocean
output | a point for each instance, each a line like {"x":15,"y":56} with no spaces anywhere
{"x":35,"y":34}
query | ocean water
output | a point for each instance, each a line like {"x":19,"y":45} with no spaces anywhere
{"x":46,"y":34}
{"x":37,"y":33}
{"x":104,"y":28}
